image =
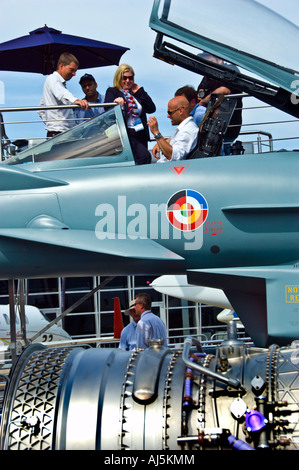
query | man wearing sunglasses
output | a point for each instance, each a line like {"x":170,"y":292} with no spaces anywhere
{"x":185,"y":136}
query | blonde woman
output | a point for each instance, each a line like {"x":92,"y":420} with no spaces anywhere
{"x":135,"y":103}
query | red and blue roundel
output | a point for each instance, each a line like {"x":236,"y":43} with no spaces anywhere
{"x":187,"y":210}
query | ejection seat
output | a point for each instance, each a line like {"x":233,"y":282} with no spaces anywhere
{"x":213,"y":126}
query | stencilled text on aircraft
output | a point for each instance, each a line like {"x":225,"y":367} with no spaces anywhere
{"x":292,"y":293}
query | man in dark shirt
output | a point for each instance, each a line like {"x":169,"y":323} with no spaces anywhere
{"x":209,"y":86}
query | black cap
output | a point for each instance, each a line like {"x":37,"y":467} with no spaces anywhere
{"x":87,"y":76}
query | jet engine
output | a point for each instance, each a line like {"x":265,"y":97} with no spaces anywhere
{"x":233,"y":396}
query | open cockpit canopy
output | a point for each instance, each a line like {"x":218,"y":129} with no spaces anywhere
{"x":242,"y":32}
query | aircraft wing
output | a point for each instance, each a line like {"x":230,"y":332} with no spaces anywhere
{"x":254,"y":291}
{"x":81,"y":249}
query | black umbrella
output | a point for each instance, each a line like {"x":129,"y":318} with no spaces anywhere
{"x":40,"y":49}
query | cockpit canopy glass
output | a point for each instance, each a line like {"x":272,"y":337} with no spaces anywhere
{"x":100,"y":136}
{"x":238,"y":33}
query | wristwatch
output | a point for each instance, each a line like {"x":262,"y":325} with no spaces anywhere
{"x":158,"y":135}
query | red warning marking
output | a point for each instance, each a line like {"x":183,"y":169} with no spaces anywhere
{"x":179,"y":170}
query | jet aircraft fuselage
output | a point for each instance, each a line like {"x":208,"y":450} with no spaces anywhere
{"x":78,"y":205}
{"x":111,"y":220}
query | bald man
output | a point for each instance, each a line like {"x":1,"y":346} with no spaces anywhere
{"x":185,"y":137}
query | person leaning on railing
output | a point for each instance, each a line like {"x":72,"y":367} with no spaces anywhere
{"x":55,"y":93}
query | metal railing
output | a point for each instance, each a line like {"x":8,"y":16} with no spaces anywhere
{"x":256,"y":145}
{"x":6,"y":142}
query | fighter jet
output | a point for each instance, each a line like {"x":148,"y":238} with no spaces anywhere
{"x":78,"y":205}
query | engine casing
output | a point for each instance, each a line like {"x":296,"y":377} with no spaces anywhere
{"x":231,"y":396}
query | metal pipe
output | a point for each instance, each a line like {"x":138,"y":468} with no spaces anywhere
{"x":12,"y":317}
{"x":64,"y":106}
{"x":238,"y":444}
{"x":203,"y":370}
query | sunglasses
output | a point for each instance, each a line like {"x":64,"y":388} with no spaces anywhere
{"x":128,"y":78}
{"x":171,"y":112}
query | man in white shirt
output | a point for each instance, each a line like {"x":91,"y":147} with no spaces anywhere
{"x":55,"y":94}
{"x":150,"y":326}
{"x":185,"y":137}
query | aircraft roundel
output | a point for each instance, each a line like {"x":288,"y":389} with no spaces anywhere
{"x":187,"y":210}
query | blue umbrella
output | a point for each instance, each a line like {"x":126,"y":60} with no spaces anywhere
{"x":39,"y":51}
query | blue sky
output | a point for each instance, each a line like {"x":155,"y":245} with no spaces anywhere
{"x":115,"y":21}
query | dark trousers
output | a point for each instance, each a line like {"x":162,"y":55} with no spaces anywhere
{"x":53,"y":133}
{"x":138,"y":142}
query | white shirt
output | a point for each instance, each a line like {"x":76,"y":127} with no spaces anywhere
{"x":183,"y":140}
{"x":150,"y":326}
{"x":128,"y":337}
{"x":55,"y":93}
